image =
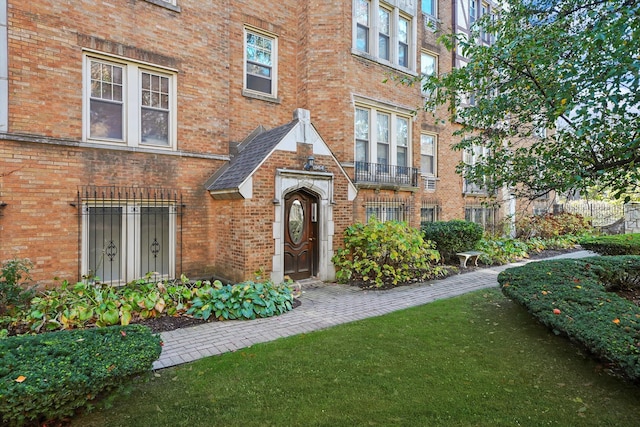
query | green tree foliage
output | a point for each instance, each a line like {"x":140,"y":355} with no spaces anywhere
{"x":568,"y":67}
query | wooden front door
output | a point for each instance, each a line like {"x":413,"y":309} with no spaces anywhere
{"x":300,"y":235}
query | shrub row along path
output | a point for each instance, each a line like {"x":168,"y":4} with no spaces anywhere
{"x":323,"y":305}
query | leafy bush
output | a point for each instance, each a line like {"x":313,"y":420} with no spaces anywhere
{"x":14,"y":279}
{"x":619,"y":244}
{"x":550,"y":225}
{"x":453,"y":236}
{"x":502,"y":250}
{"x":569,"y":296}
{"x":388,"y":253}
{"x":243,"y":301}
{"x":47,"y":377}
{"x":83,"y":304}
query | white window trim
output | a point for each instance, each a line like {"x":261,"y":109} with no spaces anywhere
{"x":384,"y":207}
{"x":393,"y":125}
{"x":470,"y":157}
{"x":435,"y":71}
{"x":373,"y":53}
{"x":130,"y":240}
{"x":435,"y":155}
{"x":274,"y":67}
{"x":132,"y":115}
{"x":169,"y":4}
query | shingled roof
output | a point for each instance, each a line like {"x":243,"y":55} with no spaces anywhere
{"x":250,"y":155}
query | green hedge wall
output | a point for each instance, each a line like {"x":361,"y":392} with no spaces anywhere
{"x":569,"y":297}
{"x":619,"y":244}
{"x":453,"y":236}
{"x":48,"y":376}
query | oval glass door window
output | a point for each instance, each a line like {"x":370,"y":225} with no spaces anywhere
{"x":296,"y":221}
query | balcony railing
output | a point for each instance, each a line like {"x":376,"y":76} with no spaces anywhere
{"x":378,"y":173}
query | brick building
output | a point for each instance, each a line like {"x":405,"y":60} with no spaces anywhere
{"x":219,"y":138}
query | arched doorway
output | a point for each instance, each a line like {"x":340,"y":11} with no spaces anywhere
{"x":301,"y":235}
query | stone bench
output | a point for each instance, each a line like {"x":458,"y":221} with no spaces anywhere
{"x":469,"y":255}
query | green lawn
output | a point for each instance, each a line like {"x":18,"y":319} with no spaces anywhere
{"x":475,"y":360}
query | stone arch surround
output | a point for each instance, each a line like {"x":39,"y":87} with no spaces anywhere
{"x":321,"y":185}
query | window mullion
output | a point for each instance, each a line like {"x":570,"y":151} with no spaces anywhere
{"x":373,"y":136}
{"x":393,"y":140}
{"x":374,"y":18}
{"x":395,"y":39}
{"x":132,"y":115}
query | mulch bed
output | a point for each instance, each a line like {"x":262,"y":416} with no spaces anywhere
{"x":168,"y":323}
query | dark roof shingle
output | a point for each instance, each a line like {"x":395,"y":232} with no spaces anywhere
{"x":249,"y":157}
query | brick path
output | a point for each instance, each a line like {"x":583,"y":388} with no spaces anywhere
{"x":323,"y":306}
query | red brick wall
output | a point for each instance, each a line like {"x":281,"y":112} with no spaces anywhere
{"x":40,"y":184}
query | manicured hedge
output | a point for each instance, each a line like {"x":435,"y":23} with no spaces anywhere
{"x":619,"y":244}
{"x":453,"y":236}
{"x":48,"y":376}
{"x":569,"y":297}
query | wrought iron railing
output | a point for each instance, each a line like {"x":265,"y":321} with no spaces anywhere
{"x":380,"y":173}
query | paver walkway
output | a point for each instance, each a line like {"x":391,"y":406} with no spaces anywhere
{"x":323,"y":306}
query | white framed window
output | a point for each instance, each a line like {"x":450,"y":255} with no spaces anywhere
{"x":429,"y":7}
{"x":390,"y":142}
{"x":471,"y":157}
{"x":124,"y":241}
{"x":260,"y":63}
{"x":385,"y":211}
{"x":384,"y":32}
{"x":485,"y":216}
{"x":484,"y":35}
{"x":402,"y":142}
{"x":403,"y":42}
{"x":428,"y":154}
{"x":361,"y":13}
{"x":473,"y":11}
{"x":129,"y":103}
{"x":428,"y":67}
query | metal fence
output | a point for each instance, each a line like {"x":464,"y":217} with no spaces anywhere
{"x":600,"y":214}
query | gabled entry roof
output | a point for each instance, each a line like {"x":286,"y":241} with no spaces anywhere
{"x":235,"y":179}
{"x":251,"y":153}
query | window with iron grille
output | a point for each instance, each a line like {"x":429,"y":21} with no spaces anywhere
{"x":429,"y":211}
{"x":388,"y":209}
{"x":127,"y":233}
{"x":486,"y":216}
